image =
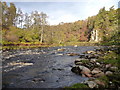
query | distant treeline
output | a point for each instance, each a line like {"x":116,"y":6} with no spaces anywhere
{"x":23,"y":27}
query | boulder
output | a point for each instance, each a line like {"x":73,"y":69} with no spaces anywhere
{"x":99,"y":74}
{"x":108,"y":73}
{"x":96,"y":70}
{"x":91,"y":84}
{"x":76,"y":70}
{"x":86,"y":74}
{"x":86,"y":71}
{"x":81,"y":70}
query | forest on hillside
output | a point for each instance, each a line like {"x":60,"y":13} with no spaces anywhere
{"x":20,"y":27}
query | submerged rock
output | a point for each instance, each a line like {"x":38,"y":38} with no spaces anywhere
{"x":73,"y":54}
{"x":38,"y":80}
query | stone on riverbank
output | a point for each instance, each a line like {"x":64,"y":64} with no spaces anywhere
{"x":96,"y":71}
{"x":91,"y":84}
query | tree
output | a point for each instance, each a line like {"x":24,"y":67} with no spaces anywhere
{"x":4,"y":15}
{"x":19,"y":18}
{"x":11,"y":14}
{"x":43,"y":23}
{"x":27,"y":21}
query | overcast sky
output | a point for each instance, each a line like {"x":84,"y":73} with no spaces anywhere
{"x":64,"y":11}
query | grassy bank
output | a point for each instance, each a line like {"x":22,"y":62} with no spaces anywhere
{"x":23,"y":45}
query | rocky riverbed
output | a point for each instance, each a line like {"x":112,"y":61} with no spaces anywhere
{"x":100,"y":66}
{"x":51,"y":67}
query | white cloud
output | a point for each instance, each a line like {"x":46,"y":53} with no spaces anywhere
{"x":69,"y":12}
{"x":64,"y":18}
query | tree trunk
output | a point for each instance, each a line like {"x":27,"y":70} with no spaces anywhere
{"x":41,"y":39}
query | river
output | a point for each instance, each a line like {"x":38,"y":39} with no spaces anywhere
{"x":45,"y":68}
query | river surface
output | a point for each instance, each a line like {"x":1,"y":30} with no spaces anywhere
{"x":45,"y":68}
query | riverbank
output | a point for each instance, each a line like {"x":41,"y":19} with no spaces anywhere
{"x":22,"y":45}
{"x":101,"y":66}
{"x":28,"y":45}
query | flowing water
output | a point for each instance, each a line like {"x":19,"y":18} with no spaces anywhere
{"x":41,"y":67}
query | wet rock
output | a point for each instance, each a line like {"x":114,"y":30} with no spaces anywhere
{"x":92,"y":56}
{"x":108,"y":73}
{"x":60,"y":69}
{"x":20,"y":63}
{"x":99,"y":74}
{"x":81,"y":70}
{"x":78,"y":63}
{"x":91,"y":84}
{"x":82,"y":56}
{"x":76,"y":70}
{"x":96,"y":70}
{"x":90,"y":52}
{"x":77,"y":60}
{"x":62,"y":49}
{"x":38,"y":80}
{"x":60,"y":54}
{"x":73,"y":54}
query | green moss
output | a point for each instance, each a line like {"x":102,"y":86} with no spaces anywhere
{"x":111,"y":58}
{"x":104,"y":79}
{"x":85,"y":61}
{"x":78,"y":85}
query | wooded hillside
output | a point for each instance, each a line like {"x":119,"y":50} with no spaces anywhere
{"x":23,"y":27}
